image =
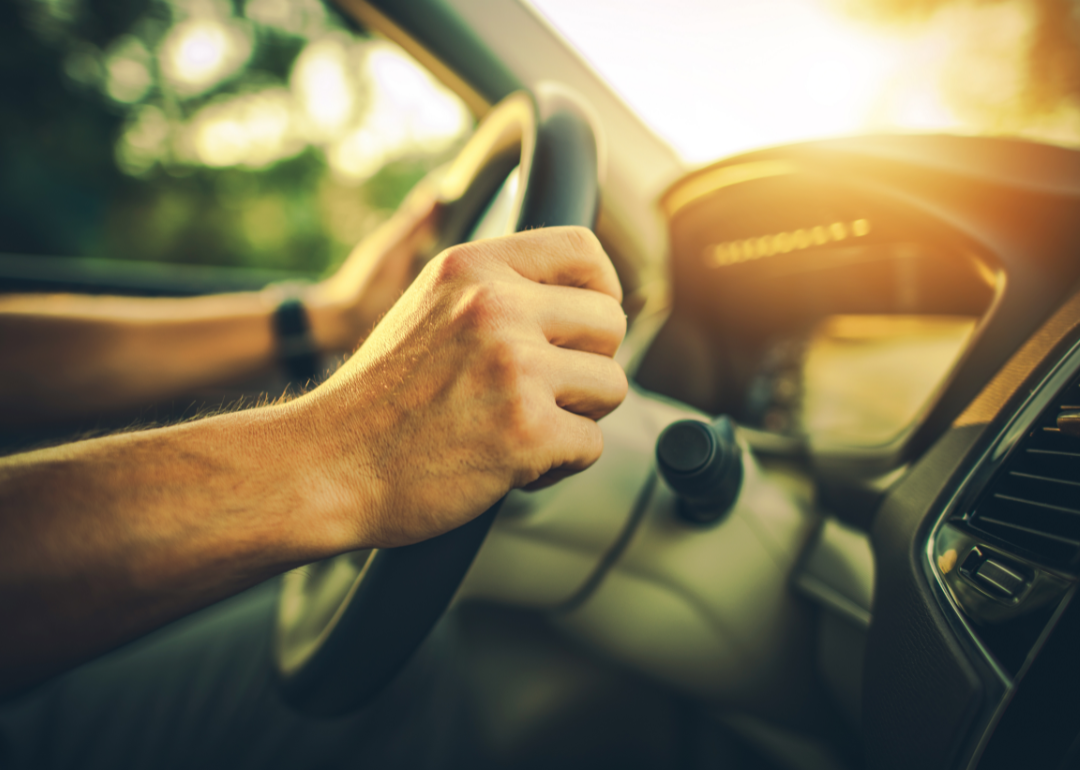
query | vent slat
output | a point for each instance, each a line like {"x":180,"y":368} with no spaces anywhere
{"x":1046,"y":478}
{"x":1033,"y":500}
{"x":1053,"y":465}
{"x":1038,"y":504}
{"x":1041,"y":488}
{"x":1030,"y":515}
{"x":1053,"y":440}
{"x":1062,"y":452}
{"x":1030,"y":531}
{"x":1051,"y":549}
{"x":1047,"y":420}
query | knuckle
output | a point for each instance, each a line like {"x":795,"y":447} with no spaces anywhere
{"x":480,"y":307}
{"x":620,"y":385}
{"x":618,"y":316}
{"x":504,"y":362}
{"x":593,"y":443}
{"x":589,"y":255}
{"x":524,"y":431}
{"x":587,"y":446}
{"x":613,"y":387}
{"x":456,"y":263}
{"x":582,"y":240}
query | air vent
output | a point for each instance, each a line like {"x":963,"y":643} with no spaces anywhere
{"x":1033,"y":501}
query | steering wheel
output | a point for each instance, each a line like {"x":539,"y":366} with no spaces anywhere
{"x":346,"y":625}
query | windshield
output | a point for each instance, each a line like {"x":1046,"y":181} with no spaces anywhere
{"x":716,"y":77}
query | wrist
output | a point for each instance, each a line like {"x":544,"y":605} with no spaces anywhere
{"x":295,"y":348}
{"x":330,"y":319}
{"x":324,"y":473}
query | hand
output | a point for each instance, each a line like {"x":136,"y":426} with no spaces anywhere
{"x":344,"y":307}
{"x":489,"y":373}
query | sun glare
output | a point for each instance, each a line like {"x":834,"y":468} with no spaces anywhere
{"x":200,"y":52}
{"x":431,"y":116}
{"x":362,"y":102}
{"x":252,"y":129}
{"x":359,"y":103}
{"x":127,"y":69}
{"x":407,"y":112}
{"x":325,"y":86}
{"x":714,"y":78}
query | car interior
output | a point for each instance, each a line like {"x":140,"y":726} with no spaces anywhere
{"x":836,"y":521}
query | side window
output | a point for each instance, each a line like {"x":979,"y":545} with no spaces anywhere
{"x":261,"y":133}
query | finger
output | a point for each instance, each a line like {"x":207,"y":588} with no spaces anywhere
{"x":579,"y":319}
{"x":554,"y":476}
{"x":566,"y":256}
{"x":580,"y":444}
{"x":586,"y":384}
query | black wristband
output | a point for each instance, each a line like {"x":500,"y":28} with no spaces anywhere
{"x":296,"y":347}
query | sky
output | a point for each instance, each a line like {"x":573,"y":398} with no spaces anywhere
{"x":716,"y":77}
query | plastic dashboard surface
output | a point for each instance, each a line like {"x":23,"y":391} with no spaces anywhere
{"x":1000,"y":236}
{"x":927,"y":675}
{"x":768,"y":244}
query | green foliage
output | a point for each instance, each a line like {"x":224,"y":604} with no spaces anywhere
{"x":389,"y":186}
{"x":233,"y":216}
{"x":63,"y":190}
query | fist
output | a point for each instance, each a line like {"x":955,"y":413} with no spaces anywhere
{"x":489,"y":373}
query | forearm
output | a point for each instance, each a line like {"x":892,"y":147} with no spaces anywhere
{"x":68,"y":356}
{"x":103,"y":540}
{"x":488,"y":374}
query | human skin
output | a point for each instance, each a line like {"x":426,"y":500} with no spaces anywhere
{"x":72,"y":356}
{"x":489,"y":373}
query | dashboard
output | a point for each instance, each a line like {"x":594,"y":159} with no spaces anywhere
{"x":1003,"y":556}
{"x":894,"y":318}
{"x":898,"y":317}
{"x":816,"y":309}
{"x":990,"y":654}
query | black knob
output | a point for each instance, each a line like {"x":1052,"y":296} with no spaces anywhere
{"x":702,"y":463}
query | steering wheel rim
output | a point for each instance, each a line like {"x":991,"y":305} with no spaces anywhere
{"x":345,"y":626}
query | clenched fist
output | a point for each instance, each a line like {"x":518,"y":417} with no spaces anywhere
{"x":489,"y":373}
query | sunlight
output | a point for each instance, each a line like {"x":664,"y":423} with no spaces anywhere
{"x":325,"y":87}
{"x":867,"y":376}
{"x":297,"y":17}
{"x":360,"y":103}
{"x":763,"y":73}
{"x":359,"y":154}
{"x":253,"y":129}
{"x":780,"y":71}
{"x":127,"y":70}
{"x":408,"y":113}
{"x":144,"y":141}
{"x":201,"y":52}
{"x":363,"y":104}
{"x":282,"y":14}
{"x":432,"y":116}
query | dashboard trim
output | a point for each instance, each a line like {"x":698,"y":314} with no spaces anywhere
{"x":690,"y":189}
{"x":1023,"y":416}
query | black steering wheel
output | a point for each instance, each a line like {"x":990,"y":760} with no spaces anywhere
{"x":347,"y":625}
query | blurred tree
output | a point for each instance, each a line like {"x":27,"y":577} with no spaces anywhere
{"x":106,"y":153}
{"x":1051,"y":74}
